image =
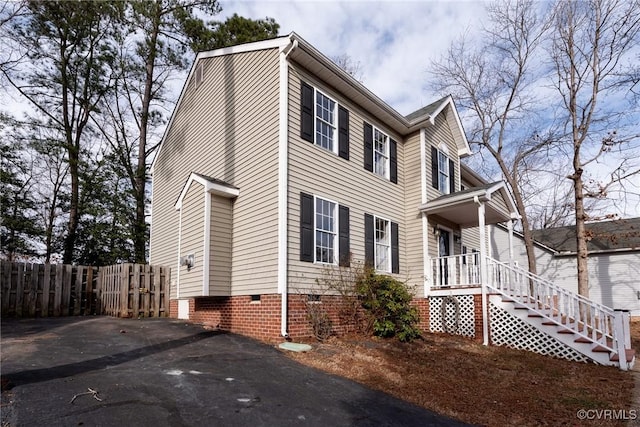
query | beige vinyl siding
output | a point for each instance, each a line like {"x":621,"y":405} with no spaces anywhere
{"x":471,"y":238}
{"x":316,"y":171}
{"x":439,"y":133}
{"x":227,"y":129}
{"x":413,"y":216}
{"x":191,"y":241}
{"x":220,"y":261}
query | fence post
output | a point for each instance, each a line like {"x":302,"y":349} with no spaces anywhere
{"x":621,"y":337}
{"x":5,"y":282}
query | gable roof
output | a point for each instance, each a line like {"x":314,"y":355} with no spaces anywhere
{"x":300,"y":51}
{"x":606,"y":236}
{"x":211,"y":185}
{"x":461,"y":207}
{"x":426,"y":111}
{"x":429,"y":113}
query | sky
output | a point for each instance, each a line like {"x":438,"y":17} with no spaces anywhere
{"x":394,"y":41}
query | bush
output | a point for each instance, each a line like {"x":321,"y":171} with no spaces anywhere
{"x":388,"y":302}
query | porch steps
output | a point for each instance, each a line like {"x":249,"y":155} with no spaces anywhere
{"x":543,"y":320}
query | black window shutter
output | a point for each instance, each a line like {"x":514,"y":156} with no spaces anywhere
{"x":395,"y":249}
{"x":368,"y":240}
{"x":434,"y":167}
{"x":306,"y":112}
{"x":306,"y":227}
{"x":393,"y":162}
{"x":452,"y":177}
{"x":343,"y":236}
{"x":368,"y":147}
{"x":343,"y":132}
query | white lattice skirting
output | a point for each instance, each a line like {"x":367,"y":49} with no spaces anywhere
{"x":509,"y":331}
{"x":458,"y":317}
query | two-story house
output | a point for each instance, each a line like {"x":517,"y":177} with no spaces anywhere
{"x":277,"y":165}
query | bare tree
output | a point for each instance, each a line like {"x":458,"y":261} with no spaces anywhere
{"x":493,"y":84}
{"x":351,"y":66}
{"x":592,"y":42}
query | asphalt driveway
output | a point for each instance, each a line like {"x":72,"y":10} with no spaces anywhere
{"x":161,"y":372}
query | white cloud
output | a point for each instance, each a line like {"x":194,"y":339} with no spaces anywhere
{"x":394,"y":41}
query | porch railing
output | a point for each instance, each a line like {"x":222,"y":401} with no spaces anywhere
{"x":586,"y":318}
{"x":456,"y":270}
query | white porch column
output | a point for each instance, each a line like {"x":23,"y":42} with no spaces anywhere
{"x":510,"y":227}
{"x":511,"y":278}
{"x":483,"y":272}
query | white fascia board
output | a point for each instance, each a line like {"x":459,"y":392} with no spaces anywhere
{"x":278,"y":42}
{"x":342,"y":77}
{"x":221,"y":190}
{"x":209,"y":187}
{"x":452,"y":201}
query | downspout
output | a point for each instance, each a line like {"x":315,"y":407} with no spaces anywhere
{"x":283,"y":188}
{"x":179,"y":248}
{"x":426,"y":261}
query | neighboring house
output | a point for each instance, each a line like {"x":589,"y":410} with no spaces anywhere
{"x":614,"y":259}
{"x":277,"y":166}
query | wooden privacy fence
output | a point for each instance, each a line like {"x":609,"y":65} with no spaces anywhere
{"x":135,"y":290}
{"x":44,"y":290}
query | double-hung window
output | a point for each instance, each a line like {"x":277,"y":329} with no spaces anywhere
{"x":325,"y":231}
{"x":382,"y":245}
{"x":380,"y":153}
{"x":325,"y":121}
{"x":442,"y":170}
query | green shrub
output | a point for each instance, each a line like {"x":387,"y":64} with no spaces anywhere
{"x":388,"y":302}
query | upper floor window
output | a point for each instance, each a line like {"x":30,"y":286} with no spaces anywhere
{"x":380,"y":153}
{"x":323,"y":121}
{"x":442,"y":170}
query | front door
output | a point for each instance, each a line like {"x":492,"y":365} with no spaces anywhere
{"x":444,"y":250}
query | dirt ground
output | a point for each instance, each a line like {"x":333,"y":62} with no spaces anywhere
{"x":495,"y":386}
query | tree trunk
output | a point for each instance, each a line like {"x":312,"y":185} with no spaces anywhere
{"x":70,"y":240}
{"x":140,"y":226}
{"x":581,"y":236}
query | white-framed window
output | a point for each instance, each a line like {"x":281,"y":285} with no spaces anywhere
{"x":326,"y":229}
{"x":326,"y":122}
{"x":382,"y":244}
{"x":380,"y":153}
{"x":443,"y":171}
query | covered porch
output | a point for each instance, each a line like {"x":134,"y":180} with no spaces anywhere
{"x":450,"y":264}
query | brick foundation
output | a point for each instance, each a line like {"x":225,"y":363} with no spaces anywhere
{"x":261,"y":319}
